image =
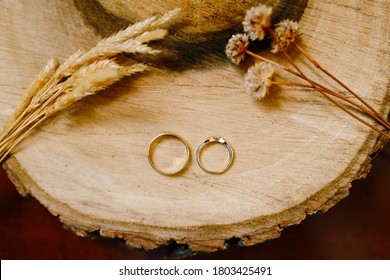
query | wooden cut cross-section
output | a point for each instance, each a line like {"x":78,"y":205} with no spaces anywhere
{"x":295,"y":153}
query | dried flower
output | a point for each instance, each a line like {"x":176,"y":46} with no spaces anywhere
{"x":258,"y":80}
{"x":257,"y":20}
{"x":286,"y":31}
{"x":236,"y":47}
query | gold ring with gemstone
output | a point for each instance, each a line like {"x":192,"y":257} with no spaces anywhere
{"x":215,"y":139}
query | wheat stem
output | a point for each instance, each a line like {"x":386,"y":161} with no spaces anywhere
{"x":43,"y":77}
{"x":49,"y":108}
{"x":9,"y":149}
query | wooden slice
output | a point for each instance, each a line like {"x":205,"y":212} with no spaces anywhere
{"x":295,"y":153}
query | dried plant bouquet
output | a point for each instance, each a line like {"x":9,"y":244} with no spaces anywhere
{"x":259,"y":78}
{"x":83,"y":74}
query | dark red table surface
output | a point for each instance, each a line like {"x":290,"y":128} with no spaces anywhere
{"x":358,"y":227}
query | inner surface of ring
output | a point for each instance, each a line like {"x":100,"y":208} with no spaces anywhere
{"x":214,"y":157}
{"x":168,"y":154}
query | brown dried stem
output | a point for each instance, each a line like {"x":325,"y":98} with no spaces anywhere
{"x":324,"y":89}
{"x":319,"y":89}
{"x":292,"y":84}
{"x":316,"y":64}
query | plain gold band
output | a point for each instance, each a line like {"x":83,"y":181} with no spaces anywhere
{"x":150,"y":153}
{"x":206,"y":142}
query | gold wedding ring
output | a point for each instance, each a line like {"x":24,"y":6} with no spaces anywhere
{"x":151,"y":150}
{"x":214,"y":139}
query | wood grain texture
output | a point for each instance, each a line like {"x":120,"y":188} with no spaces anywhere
{"x":354,"y":229}
{"x":295,"y":153}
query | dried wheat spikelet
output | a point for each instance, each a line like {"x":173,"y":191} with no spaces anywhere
{"x":31,"y":93}
{"x":83,"y":74}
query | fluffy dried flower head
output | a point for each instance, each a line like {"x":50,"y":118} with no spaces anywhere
{"x":236,"y":47}
{"x":256,"y":21}
{"x":286,"y":31}
{"x":258,"y":80}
